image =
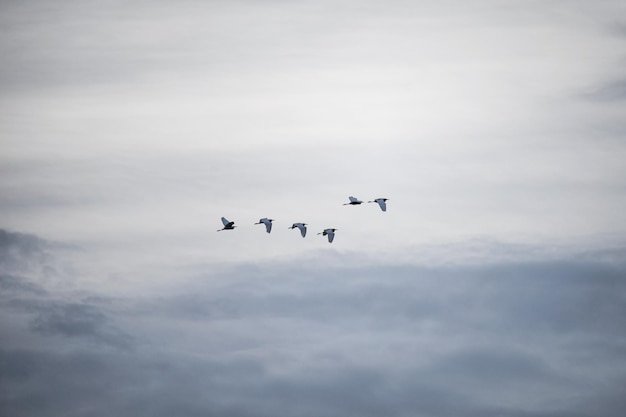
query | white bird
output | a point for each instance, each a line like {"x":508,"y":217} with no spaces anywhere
{"x":330,"y":233}
{"x":301,"y":226}
{"x":228,"y":225}
{"x":381,"y":202}
{"x":267,"y":222}
{"x":353,"y":201}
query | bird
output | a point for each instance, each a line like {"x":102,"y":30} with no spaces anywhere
{"x":228,"y":225}
{"x":353,"y":201}
{"x":330,"y":233}
{"x":267,"y":222}
{"x":381,"y":202}
{"x":301,"y":226}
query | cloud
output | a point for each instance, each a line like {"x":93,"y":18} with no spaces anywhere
{"x":191,"y":386}
{"x":134,"y":127}
{"x":400,"y":318}
{"x":515,"y":338}
{"x":614,"y":91}
{"x":82,"y":321}
{"x":504,"y":339}
{"x":25,"y":255}
{"x":77,"y":320}
{"x":10,"y":283}
{"x":618,"y":28}
{"x":29,"y":291}
{"x":18,"y":250}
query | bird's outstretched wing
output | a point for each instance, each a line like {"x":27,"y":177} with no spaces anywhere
{"x":228,"y":225}
{"x":382,"y":203}
{"x":301,"y":226}
{"x":353,"y":201}
{"x":267,"y":222}
{"x":331,"y":235}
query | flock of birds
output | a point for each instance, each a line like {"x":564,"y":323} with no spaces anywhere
{"x":330,"y":232}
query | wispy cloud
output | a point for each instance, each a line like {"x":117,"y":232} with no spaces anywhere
{"x":74,"y":320}
{"x":610,"y":92}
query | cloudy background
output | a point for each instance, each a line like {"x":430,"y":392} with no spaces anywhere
{"x":494,"y":285}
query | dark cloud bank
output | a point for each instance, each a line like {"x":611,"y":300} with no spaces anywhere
{"x":514,"y":339}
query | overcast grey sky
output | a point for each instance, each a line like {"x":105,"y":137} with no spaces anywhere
{"x":493,"y":285}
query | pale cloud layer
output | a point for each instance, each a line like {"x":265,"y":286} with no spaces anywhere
{"x":150,"y":121}
{"x":491,"y":286}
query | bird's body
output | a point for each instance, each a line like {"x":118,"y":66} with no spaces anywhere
{"x":301,"y":226}
{"x":228,"y":225}
{"x":330,"y":233}
{"x":353,"y":201}
{"x":267,"y":222}
{"x":382,"y":202}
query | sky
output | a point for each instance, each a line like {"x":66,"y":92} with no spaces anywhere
{"x":495,"y":283}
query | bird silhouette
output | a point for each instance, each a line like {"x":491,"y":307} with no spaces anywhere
{"x":228,"y":225}
{"x":382,"y":202}
{"x":301,"y":226}
{"x":267,"y":222}
{"x":330,"y":233}
{"x":353,"y":201}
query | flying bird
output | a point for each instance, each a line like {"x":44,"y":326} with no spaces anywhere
{"x":267,"y":222}
{"x":381,"y":202}
{"x":228,"y":225}
{"x":330,"y":233}
{"x":353,"y":201}
{"x":301,"y":226}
